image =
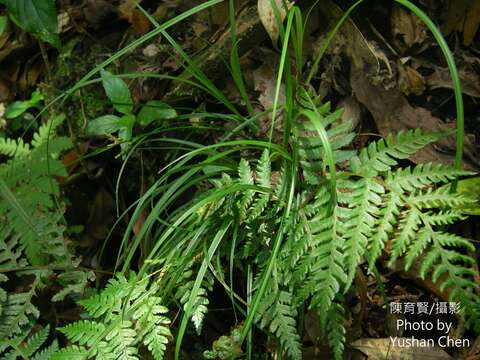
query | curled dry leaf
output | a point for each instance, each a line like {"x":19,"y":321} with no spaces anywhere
{"x":384,"y":349}
{"x":139,"y":21}
{"x":268,"y":19}
{"x":408,"y":30}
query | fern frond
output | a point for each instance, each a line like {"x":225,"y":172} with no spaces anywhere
{"x":47,"y":131}
{"x":380,"y":156}
{"x":334,"y":323}
{"x":84,"y":332}
{"x":406,"y":233}
{"x":284,"y":325}
{"x":48,"y":352}
{"x":17,"y":312}
{"x":14,"y":148}
{"x":409,"y":180}
{"x":154,"y":324}
{"x":323,"y":264}
{"x":440,"y":198}
{"x":72,"y":352}
{"x":388,"y":218}
{"x":277,"y":314}
{"x":441,"y":259}
{"x":120,"y":342}
{"x":124,"y":314}
{"x":200,"y":308}
{"x":362,"y":199}
{"x":263,"y":175}
{"x":311,"y":151}
{"x":245,"y":177}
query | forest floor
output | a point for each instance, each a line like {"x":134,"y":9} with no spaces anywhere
{"x":383,"y":67}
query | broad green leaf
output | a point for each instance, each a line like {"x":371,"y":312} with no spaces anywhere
{"x":103,"y":125}
{"x":155,"y":110}
{"x":38,"y":17}
{"x":118,"y":92}
{"x":126,"y":126}
{"x":17,"y":108}
{"x":3,"y":24}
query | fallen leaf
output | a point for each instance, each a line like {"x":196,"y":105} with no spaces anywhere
{"x":63,"y":22}
{"x":268,"y":18}
{"x":377,"y":349}
{"x":265,"y":79}
{"x":469,"y":79}
{"x":408,"y":30}
{"x":410,"y":81}
{"x":139,"y":21}
{"x":472,"y":23}
{"x":392,"y":112}
{"x":463,"y":16}
{"x":97,"y":12}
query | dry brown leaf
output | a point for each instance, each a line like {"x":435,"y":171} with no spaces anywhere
{"x":268,"y":19}
{"x":392,"y":112}
{"x":457,"y":10}
{"x":407,"y":29}
{"x":463,"y":16}
{"x":139,"y":21}
{"x":377,"y":349}
{"x":410,"y":81}
{"x":469,"y":79}
{"x":472,"y":23}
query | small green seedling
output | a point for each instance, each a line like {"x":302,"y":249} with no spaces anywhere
{"x":18,"y":114}
{"x":119,"y":95}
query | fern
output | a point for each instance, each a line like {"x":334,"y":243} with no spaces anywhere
{"x":32,"y":228}
{"x":380,"y":156}
{"x":125,"y":314}
{"x":325,"y":241}
{"x":311,"y":150}
{"x":334,"y":327}
{"x":30,"y":347}
{"x":14,"y":148}
{"x":201,"y":302}
{"x":323,"y":264}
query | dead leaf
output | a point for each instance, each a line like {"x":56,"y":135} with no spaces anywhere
{"x":265,"y":78}
{"x":392,"y":113}
{"x":268,"y":19}
{"x":129,"y":12}
{"x":377,"y":349}
{"x":463,"y":16}
{"x":5,"y":90}
{"x":408,"y":30}
{"x":63,"y":22}
{"x":469,"y":79}
{"x":410,"y":81}
{"x":96,"y":12}
{"x":472,"y":23}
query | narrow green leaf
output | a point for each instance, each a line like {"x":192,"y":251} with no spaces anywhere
{"x":155,"y":110}
{"x":3,"y":24}
{"x":117,"y":91}
{"x":38,"y":17}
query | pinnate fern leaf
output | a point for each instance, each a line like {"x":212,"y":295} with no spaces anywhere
{"x":380,"y":156}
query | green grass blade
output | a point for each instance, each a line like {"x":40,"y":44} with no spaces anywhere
{"x":453,"y":74}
